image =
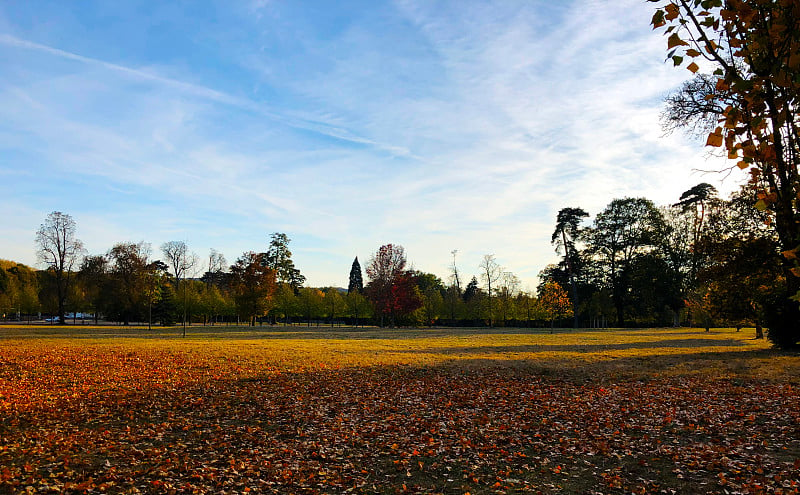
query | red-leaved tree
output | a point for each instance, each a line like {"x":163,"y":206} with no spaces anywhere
{"x":391,"y":288}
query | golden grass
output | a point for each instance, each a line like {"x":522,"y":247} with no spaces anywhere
{"x":581,"y":354}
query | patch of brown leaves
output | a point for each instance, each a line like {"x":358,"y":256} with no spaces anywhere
{"x":122,"y":421}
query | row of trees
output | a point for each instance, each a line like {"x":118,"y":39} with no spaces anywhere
{"x":127,"y":285}
{"x":702,"y":260}
{"x":405,"y":296}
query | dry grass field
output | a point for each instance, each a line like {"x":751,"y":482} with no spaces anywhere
{"x":299,"y":410}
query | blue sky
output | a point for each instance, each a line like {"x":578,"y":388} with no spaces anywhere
{"x":436,"y":125}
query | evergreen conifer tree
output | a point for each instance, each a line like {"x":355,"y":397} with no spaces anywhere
{"x":471,"y":290}
{"x":166,"y":309}
{"x":356,"y":282}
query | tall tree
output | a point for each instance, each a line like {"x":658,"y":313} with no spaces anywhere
{"x":253,"y":284}
{"x":286,"y":303}
{"x":128,"y":278}
{"x":177,"y":258}
{"x":61,"y":251}
{"x":564,"y":236}
{"x":471,"y":289}
{"x":490,"y":273}
{"x":356,"y":283}
{"x":93,"y":276}
{"x":385,"y":269}
{"x":217,"y":264}
{"x":626,"y":229}
{"x":696,"y":200}
{"x":753,"y":47}
{"x":432,"y":305}
{"x":279,"y":258}
{"x":506,"y":294}
{"x":181,"y":261}
{"x":456,"y":280}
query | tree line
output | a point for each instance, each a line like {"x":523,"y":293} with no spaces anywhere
{"x":127,"y":284}
{"x":701,"y":261}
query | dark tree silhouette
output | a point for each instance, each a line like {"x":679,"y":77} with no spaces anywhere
{"x":564,"y":236}
{"x":356,"y":283}
{"x":279,"y":258}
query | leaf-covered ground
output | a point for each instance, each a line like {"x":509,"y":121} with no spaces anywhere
{"x":646,"y":412}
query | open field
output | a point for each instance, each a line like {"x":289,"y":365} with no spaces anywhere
{"x":273,"y":410}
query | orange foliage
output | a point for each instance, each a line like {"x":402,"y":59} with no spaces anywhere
{"x":124,"y":418}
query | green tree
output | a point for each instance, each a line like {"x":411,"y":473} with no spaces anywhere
{"x":7,"y":296}
{"x":213,"y":303}
{"x":358,"y":306}
{"x":165,"y":309}
{"x":286,"y":303}
{"x":253,"y":284}
{"x":626,"y":229}
{"x":93,"y":278}
{"x":20,"y":295}
{"x":279,"y":258}
{"x":157,"y":273}
{"x":526,"y":307}
{"x":128,"y":280}
{"x":506,"y":293}
{"x":334,"y":304}
{"x":564,"y":236}
{"x":311,"y":304}
{"x":356,"y":282}
{"x":454,"y":303}
{"x":474,"y":301}
{"x":432,"y":305}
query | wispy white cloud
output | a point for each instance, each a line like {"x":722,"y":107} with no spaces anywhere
{"x":435,"y":125}
{"x":203,"y":92}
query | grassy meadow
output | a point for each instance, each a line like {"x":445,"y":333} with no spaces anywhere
{"x":320,"y":410}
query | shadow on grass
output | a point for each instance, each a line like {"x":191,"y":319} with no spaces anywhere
{"x":580,"y":348}
{"x":746,"y":365}
{"x":313,"y":332}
